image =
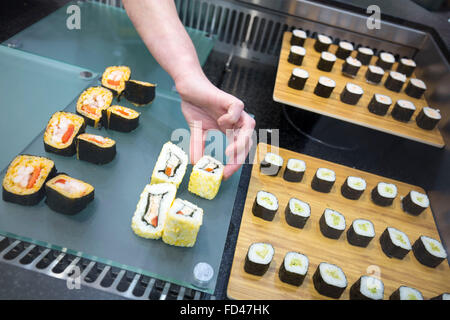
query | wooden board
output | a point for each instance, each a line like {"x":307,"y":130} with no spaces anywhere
{"x":333,"y":107}
{"x":354,"y":261}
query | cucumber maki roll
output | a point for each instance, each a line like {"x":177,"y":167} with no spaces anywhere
{"x":294,"y":268}
{"x":403,"y":110}
{"x":394,"y":243}
{"x":395,"y":81}
{"x":442,"y":296}
{"x":258,"y":258}
{"x":406,"y":66}
{"x":329,"y":280}
{"x":326,"y":61}
{"x":360,"y":233}
{"x":298,"y":37}
{"x":429,"y":251}
{"x":68,"y":195}
{"x":344,"y":50}
{"x":95,"y":149}
{"x":265,"y":205}
{"x":297,"y":213}
{"x":324,"y":87}
{"x":367,"y":288}
{"x":332,"y":224}
{"x":386,"y":60}
{"x":323,"y":180}
{"x":120,"y":118}
{"x":415,"y":88}
{"x":298,"y":79}
{"x":114,"y":78}
{"x":322,"y":43}
{"x":384,"y":194}
{"x":296,"y":55}
{"x":415,"y":202}
{"x":406,"y":293}
{"x":351,"y":94}
{"x":364,"y":55}
{"x":139,"y":93}
{"x":380,"y":104}
{"x":295,"y":169}
{"x":353,"y":187}
{"x":374,"y":74}
{"x":271,"y":164}
{"x":92,"y":102}
{"x":351,"y":67}
{"x":428,"y":118}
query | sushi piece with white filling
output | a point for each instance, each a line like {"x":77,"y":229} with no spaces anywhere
{"x":374,"y":74}
{"x":323,"y":180}
{"x":415,"y":202}
{"x":406,"y":293}
{"x":324,"y":87}
{"x":296,"y":55}
{"x":367,"y":288}
{"x":384,"y":194}
{"x":364,"y":55}
{"x":351,"y":94}
{"x":265,"y":205}
{"x":353,"y":187}
{"x":114,"y":78}
{"x":395,"y":243}
{"x":298,"y":79}
{"x":329,"y":280}
{"x":258,"y":258}
{"x":351,"y":67}
{"x":386,"y":60}
{"x":322,"y":43}
{"x":415,"y":88}
{"x":406,"y":66}
{"x":395,"y":81}
{"x":326,"y":61}
{"x":344,"y":50}
{"x":171,"y":165}
{"x":206,"y":177}
{"x":298,"y":37}
{"x":271,"y":164}
{"x":360,"y":233}
{"x":295,"y":170}
{"x":380,"y":104}
{"x":332,"y":224}
{"x":428,"y":118}
{"x":294,"y":268}
{"x":403,"y":110}
{"x":429,"y":251}
{"x":297,"y":213}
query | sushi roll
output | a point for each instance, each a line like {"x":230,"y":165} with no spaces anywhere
{"x":367,"y":288}
{"x":380,"y":104}
{"x":92,"y":102}
{"x":151,"y":211}
{"x":406,"y":66}
{"x":429,"y":251}
{"x":322,"y":43}
{"x":351,"y":94}
{"x":442,"y":296}
{"x":374,"y":74}
{"x":415,"y":88}
{"x":415,"y":202}
{"x":406,"y":293}
{"x":332,"y":224}
{"x":403,"y":110}
{"x":298,"y":79}
{"x":428,"y":118}
{"x":384,"y":194}
{"x":61,"y":132}
{"x":206,"y":177}
{"x":297,"y":213}
{"x":120,"y":118}
{"x":386,"y":60}
{"x":95,"y":149}
{"x":258,"y":258}
{"x":329,"y":280}
{"x":324,"y":87}
{"x":114,"y":78}
{"x":351,"y":67}
{"x":295,"y":169}
{"x":360,"y":233}
{"x":294,"y":268}
{"x":271,"y":164}
{"x":326,"y":61}
{"x":344,"y":50}
{"x":139,"y":93}
{"x":296,"y":55}
{"x":171,"y":165}
{"x":395,"y":81}
{"x":364,"y":55}
{"x":353,"y":187}
{"x":183,"y":223}
{"x":68,"y":195}
{"x":323,"y":180}
{"x":25,"y":178}
{"x":265,"y":205}
{"x":394,"y":243}
{"x":298,"y":37}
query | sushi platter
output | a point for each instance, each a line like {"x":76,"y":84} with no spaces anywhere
{"x":348,"y":98}
{"x":277,"y":236}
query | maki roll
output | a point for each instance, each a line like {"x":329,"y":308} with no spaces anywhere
{"x":322,"y":43}
{"x":395,"y":81}
{"x":353,"y":187}
{"x":258,"y":258}
{"x":406,"y":293}
{"x":324,"y":87}
{"x":403,"y":110}
{"x":326,"y":61}
{"x":68,"y":195}
{"x":25,"y":178}
{"x":120,"y":119}
{"x":297,"y":213}
{"x":428,"y":118}
{"x":183,"y":222}
{"x":92,"y":102}
{"x":351,"y":94}
{"x":394,"y":243}
{"x":386,"y":60}
{"x":151,"y":211}
{"x":406,"y":66}
{"x":96,"y":149}
{"x":170,"y":166}
{"x":442,"y":296}
{"x":429,"y":251}
{"x":265,"y":205}
{"x":415,"y":202}
{"x":206,"y":177}
{"x":374,"y":74}
{"x":61,"y":132}
{"x":296,"y":55}
{"x":360,"y":233}
{"x":329,"y":280}
{"x":380,"y":104}
{"x":115,"y":78}
{"x":351,"y":67}
{"x":139,"y":93}
{"x":298,"y":79}
{"x":384,"y":194}
{"x":415,"y":88}
{"x":323,"y":180}
{"x":271,"y":164}
{"x":295,"y":169}
{"x":364,"y":55}
{"x":344,"y":50}
{"x":367,"y":288}
{"x":294,"y":268}
{"x":332,"y":224}
{"x":298,"y":37}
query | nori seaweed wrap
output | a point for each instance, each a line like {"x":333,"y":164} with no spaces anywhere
{"x":95,"y":149}
{"x":120,"y":119}
{"x":139,"y":93}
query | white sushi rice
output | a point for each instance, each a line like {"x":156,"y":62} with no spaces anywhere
{"x":299,"y":33}
{"x":326,"y":174}
{"x":298,"y":50}
{"x":328,"y":56}
{"x":332,"y":274}
{"x":387,"y":190}
{"x":296,"y":165}
{"x":300,"y":73}
{"x":381,"y":98}
{"x":353,"y":88}
{"x":296,"y":263}
{"x":354,"y":62}
{"x":325,"y":81}
{"x":324,"y":39}
{"x":170,"y":153}
{"x":376,"y":69}
{"x":434,"y":247}
{"x":195,"y":214}
{"x":346,"y":45}
{"x":334,"y":219}
{"x":261,"y":253}
{"x":398,"y":238}
{"x":267,"y":200}
{"x":364,"y":228}
{"x":432,"y":113}
{"x":418,"y":83}
{"x":356,"y":183}
{"x":299,"y":208}
{"x":366,"y":51}
{"x":387,"y":57}
{"x":408,"y":62}
{"x":406,"y":104}
{"x":274,"y":159}
{"x":420,"y":199}
{"x":397,"y":76}
{"x":408,"y":293}
{"x":372,"y":287}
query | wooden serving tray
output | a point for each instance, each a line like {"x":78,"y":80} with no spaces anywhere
{"x":354,"y":261}
{"x":333,"y":107}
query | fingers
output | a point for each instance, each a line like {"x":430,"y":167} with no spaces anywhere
{"x":234,"y":113}
{"x":197,"y":141}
